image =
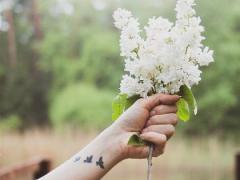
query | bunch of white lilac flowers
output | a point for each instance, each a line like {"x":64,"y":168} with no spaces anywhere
{"x":169,"y":57}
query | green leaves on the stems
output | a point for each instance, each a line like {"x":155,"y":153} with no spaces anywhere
{"x":186,"y":104}
{"x":183,"y":112}
{"x":121,"y":103}
{"x":135,"y":140}
{"x":118,"y":105}
{"x":187,"y":94}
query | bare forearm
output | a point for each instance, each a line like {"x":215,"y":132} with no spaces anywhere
{"x":91,"y":163}
{"x":111,"y":146}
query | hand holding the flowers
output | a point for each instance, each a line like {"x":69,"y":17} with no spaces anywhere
{"x":153,"y":118}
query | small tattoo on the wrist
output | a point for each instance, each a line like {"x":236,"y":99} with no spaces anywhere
{"x":88,"y":160}
{"x":76,"y":159}
{"x":100,"y":162}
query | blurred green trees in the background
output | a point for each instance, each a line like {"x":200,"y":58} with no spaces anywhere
{"x":68,"y":67}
